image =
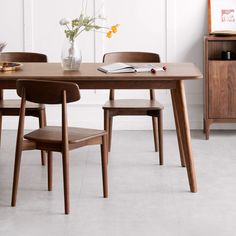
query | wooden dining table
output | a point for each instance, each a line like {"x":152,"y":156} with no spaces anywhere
{"x":88,"y":77}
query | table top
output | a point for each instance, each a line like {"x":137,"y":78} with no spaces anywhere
{"x":88,"y":76}
{"x":175,"y":71}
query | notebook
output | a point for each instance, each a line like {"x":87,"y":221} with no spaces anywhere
{"x":120,"y":67}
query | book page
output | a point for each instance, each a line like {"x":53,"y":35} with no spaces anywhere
{"x":116,"y":68}
{"x":129,"y":68}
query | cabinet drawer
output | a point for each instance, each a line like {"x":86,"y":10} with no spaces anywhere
{"x":222,"y":89}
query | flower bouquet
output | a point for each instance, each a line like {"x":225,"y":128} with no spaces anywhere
{"x":71,"y":55}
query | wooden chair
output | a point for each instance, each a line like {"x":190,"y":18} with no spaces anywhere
{"x":121,"y":107}
{"x":54,"y":138}
{"x":11,"y":107}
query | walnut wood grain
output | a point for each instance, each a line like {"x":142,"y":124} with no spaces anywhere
{"x":88,"y":77}
{"x":222,"y":85}
{"x":178,"y":129}
{"x":178,"y":95}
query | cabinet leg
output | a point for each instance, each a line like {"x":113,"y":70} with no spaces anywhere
{"x":206,"y":129}
{"x":204,"y":126}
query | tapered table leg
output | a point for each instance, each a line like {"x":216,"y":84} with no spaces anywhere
{"x":178,"y":95}
{"x":178,"y":131}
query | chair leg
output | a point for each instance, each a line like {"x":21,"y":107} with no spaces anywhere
{"x":160,"y":135}
{"x":108,"y":127}
{"x":42,"y":123}
{"x":65,"y":164}
{"x":104,"y":156}
{"x":50,"y":171}
{"x":110,"y":133}
{"x":43,"y":157}
{"x":155,"y":132}
{"x":16,"y":175}
{"x":0,"y":128}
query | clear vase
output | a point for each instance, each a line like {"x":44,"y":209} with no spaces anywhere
{"x":71,"y":56}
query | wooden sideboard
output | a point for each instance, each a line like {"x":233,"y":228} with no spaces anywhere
{"x":219,"y":80}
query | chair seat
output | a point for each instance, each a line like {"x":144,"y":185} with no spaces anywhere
{"x":16,"y":103}
{"x":53,"y":134}
{"x":145,"y":104}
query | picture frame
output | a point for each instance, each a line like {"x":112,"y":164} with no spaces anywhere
{"x":222,"y":17}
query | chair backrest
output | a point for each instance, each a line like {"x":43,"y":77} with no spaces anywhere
{"x":145,"y":57}
{"x":47,"y":92}
{"x":128,"y":57}
{"x":22,"y":57}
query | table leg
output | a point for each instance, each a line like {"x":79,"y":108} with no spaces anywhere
{"x":178,"y":95}
{"x":178,"y":131}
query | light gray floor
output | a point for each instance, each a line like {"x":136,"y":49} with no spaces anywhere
{"x":145,"y":198}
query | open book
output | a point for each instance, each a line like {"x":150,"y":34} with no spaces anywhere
{"x":128,"y":68}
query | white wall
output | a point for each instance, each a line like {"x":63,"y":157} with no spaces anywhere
{"x":168,"y":27}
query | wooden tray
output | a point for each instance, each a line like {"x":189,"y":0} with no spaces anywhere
{"x":10,"y":66}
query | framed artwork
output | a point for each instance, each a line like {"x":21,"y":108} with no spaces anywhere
{"x":222,"y":17}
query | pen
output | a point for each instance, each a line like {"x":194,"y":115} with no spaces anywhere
{"x":153,"y":70}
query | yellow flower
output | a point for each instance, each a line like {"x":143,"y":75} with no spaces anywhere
{"x":114,"y":28}
{"x":109,"y":34}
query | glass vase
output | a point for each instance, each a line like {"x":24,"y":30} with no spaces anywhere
{"x":71,"y":56}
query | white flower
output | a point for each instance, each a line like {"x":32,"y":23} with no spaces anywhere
{"x":64,"y":21}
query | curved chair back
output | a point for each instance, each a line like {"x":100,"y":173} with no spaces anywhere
{"x":47,"y":92}
{"x":23,"y":57}
{"x":143,"y":57}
